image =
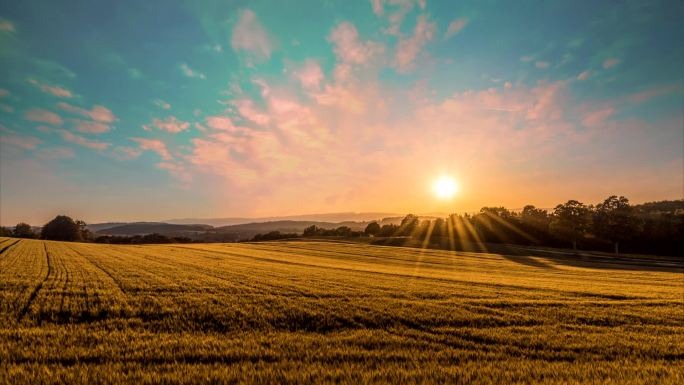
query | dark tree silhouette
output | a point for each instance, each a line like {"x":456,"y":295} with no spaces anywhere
{"x":373,"y":228}
{"x":614,"y":220}
{"x":23,"y":230}
{"x":62,"y":228}
{"x":571,"y":221}
{"x":408,"y":225}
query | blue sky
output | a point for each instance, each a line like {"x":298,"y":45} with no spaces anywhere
{"x":134,"y":110}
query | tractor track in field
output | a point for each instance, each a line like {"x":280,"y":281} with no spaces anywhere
{"x":5,"y":248}
{"x":35,"y":291}
{"x":116,"y":281}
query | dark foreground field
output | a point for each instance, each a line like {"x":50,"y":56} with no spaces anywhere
{"x":325,"y":312}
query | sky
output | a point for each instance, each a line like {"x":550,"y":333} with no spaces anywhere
{"x":150,"y":110}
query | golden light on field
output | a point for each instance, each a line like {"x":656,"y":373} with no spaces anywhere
{"x":445,"y":187}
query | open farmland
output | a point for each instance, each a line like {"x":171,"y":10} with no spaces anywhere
{"x":316,"y":312}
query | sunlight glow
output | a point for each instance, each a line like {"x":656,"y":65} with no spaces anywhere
{"x":445,"y":187}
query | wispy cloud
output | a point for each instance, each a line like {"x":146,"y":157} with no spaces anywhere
{"x":153,"y":145}
{"x":409,"y":49}
{"x":455,"y":27}
{"x":126,"y":153}
{"x":310,"y":75}
{"x":584,"y":75}
{"x":98,"y":113}
{"x":58,"y":91}
{"x":43,"y":116}
{"x":171,"y":124}
{"x":21,"y":141}
{"x":610,"y":63}
{"x":542,"y":64}
{"x":189,"y":72}
{"x":7,"y":26}
{"x":3,"y":92}
{"x":162,"y":104}
{"x":250,"y":36}
{"x":81,"y":141}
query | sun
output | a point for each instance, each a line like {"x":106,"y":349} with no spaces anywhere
{"x":445,"y":187}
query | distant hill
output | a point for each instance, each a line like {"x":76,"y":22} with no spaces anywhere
{"x":661,"y":206}
{"x":328,"y":217}
{"x":96,"y":227}
{"x":142,"y":228}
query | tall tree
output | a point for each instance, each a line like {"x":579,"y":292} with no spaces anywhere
{"x":571,"y":221}
{"x":373,"y":228}
{"x":615,"y":220}
{"x":61,"y":228}
{"x":23,"y":230}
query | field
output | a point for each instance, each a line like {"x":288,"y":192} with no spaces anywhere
{"x":333,"y":312}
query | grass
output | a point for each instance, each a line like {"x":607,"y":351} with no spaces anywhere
{"x":332,"y":312}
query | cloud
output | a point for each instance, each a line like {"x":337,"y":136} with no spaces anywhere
{"x":134,"y":73}
{"x":126,"y":153}
{"x":162,"y":104}
{"x":310,"y":75}
{"x":221,"y":123}
{"x":7,"y":26}
{"x":400,"y":8}
{"x":250,"y":36}
{"x":348,"y":48}
{"x":455,"y":27}
{"x":248,"y":111}
{"x":25,"y":142}
{"x":98,"y":113}
{"x":43,"y":116}
{"x":654,"y":92}
{"x":542,"y":64}
{"x":77,"y":139}
{"x":598,"y":118}
{"x":409,"y":49}
{"x":610,"y":63}
{"x":56,"y":153}
{"x":6,"y":108}
{"x":170,"y":124}
{"x":153,"y":145}
{"x":91,"y":127}
{"x":584,"y":75}
{"x":3,"y":92}
{"x":189,"y":72}
{"x":52,"y":90}
{"x":526,"y":59}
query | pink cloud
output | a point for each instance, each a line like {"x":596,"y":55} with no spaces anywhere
{"x":153,"y":145}
{"x":43,"y":116}
{"x":25,"y":142}
{"x":542,"y":64}
{"x":348,"y":48}
{"x":77,"y":139}
{"x":176,"y":170}
{"x":610,"y":63}
{"x":52,"y":90}
{"x":648,"y":94}
{"x":310,"y":75}
{"x":6,"y":26}
{"x":583,"y":76}
{"x":56,"y":153}
{"x":126,"y":153}
{"x":526,"y":59}
{"x":91,"y":127}
{"x":598,"y":118}
{"x":250,"y":36}
{"x":98,"y":113}
{"x":222,"y":123}
{"x":170,"y":124}
{"x":249,"y":111}
{"x":377,"y":7}
{"x":409,"y":49}
{"x":162,"y":104}
{"x":455,"y":27}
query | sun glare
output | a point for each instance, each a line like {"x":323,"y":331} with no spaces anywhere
{"x":445,"y":187}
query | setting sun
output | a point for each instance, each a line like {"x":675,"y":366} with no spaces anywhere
{"x":445,"y":187}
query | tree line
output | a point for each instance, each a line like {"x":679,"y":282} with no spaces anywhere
{"x":64,"y":228}
{"x":613,"y":224}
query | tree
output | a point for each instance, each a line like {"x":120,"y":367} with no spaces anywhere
{"x":62,"y":228}
{"x":408,"y":224}
{"x":23,"y":230}
{"x":373,"y":228}
{"x":311,"y":231}
{"x":571,"y":221}
{"x":614,"y":220}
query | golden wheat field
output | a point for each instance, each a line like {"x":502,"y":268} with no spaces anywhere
{"x":331,"y":312}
